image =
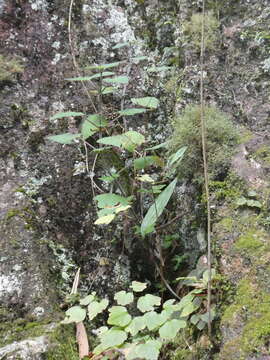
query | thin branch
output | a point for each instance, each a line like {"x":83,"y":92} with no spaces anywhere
{"x":205,"y":166}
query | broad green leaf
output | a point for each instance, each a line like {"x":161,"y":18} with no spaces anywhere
{"x":111,"y":200}
{"x":74,"y":314}
{"x":201,"y":325}
{"x":194,"y":319}
{"x":120,"y":208}
{"x":147,"y":161}
{"x":132,"y":139}
{"x":92,"y":124}
{"x":188,"y":309}
{"x":150,"y":102}
{"x":66,"y":114}
{"x":254,"y":203}
{"x":105,"y":220}
{"x":129,"y":140}
{"x":109,"y":339}
{"x":157,"y":208}
{"x":170,"y":329}
{"x":204,"y":317}
{"x":124,"y":298}
{"x":138,"y":286}
{"x":96,"y":307}
{"x":120,"y":45}
{"x":132,"y":111}
{"x":149,"y":351}
{"x":176,"y":157}
{"x":137,"y":324}
{"x":107,"y":90}
{"x":91,"y":77}
{"x":241,"y":201}
{"x":104,"y":66}
{"x":87,"y":300}
{"x":186,"y":300}
{"x":119,"y":316}
{"x":154,"y":320}
{"x":118,"y":80}
{"x":147,"y":302}
{"x":64,"y":138}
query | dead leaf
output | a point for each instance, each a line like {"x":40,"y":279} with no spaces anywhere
{"x":82,"y":340}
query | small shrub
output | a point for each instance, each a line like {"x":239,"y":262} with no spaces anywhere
{"x":9,"y":67}
{"x":193,"y":28}
{"x":222,"y":136}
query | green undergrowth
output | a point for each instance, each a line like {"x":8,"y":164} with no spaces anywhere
{"x":222,"y":137}
{"x":20,"y":329}
{"x":192,"y":29}
{"x":63,"y":337}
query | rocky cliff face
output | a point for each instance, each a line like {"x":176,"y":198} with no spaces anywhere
{"x":46,"y":207}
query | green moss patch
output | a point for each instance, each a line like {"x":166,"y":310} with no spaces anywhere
{"x":250,"y":241}
{"x":252,"y":306}
{"x":9,"y":67}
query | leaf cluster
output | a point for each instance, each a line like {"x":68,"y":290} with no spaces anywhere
{"x":140,"y":336}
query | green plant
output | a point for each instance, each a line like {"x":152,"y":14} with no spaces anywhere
{"x":193,"y":27}
{"x":8,"y":67}
{"x":141,"y":335}
{"x":222,"y":137}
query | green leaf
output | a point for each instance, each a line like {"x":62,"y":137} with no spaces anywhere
{"x":147,"y":161}
{"x":74,"y":314}
{"x":109,"y":339}
{"x":87,"y":300}
{"x":147,"y":302}
{"x":107,"y":90}
{"x":95,"y":308}
{"x":188,"y":309}
{"x":111,"y":200}
{"x":92,"y":124}
{"x":149,"y":351}
{"x":118,"y":80}
{"x":120,"y":45}
{"x":110,"y":178}
{"x":137,"y":324}
{"x":138,"y":286}
{"x":194,"y":319}
{"x":91,"y":77}
{"x":204,"y":317}
{"x":150,"y":102}
{"x":132,"y":111}
{"x":159,"y":146}
{"x":254,"y":203}
{"x":201,"y":325}
{"x":176,"y":157}
{"x":206,"y":275}
{"x":169,"y":330}
{"x":124,"y":298}
{"x":157,"y":188}
{"x":146,"y":178}
{"x":104,"y":66}
{"x":129,"y":140}
{"x":64,"y":138}
{"x":186,"y":300}
{"x":137,"y":59}
{"x":115,"y":140}
{"x":105,"y":220}
{"x":132,"y":139}
{"x":154,"y":320}
{"x":119,"y":316}
{"x":157,"y":208}
{"x":66,"y":114}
